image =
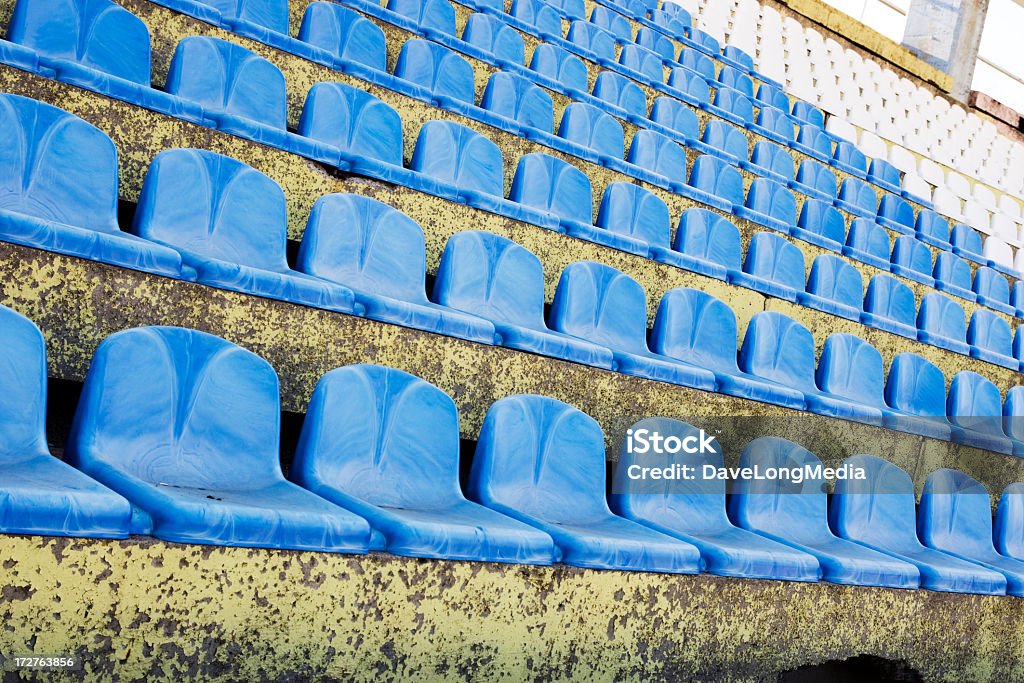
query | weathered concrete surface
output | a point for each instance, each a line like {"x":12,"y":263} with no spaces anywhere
{"x":143,"y":609}
{"x":947,"y":35}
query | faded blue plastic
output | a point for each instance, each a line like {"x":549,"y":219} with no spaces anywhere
{"x":1013,"y":418}
{"x":733,"y":106}
{"x":658,"y":154}
{"x":975,"y":408}
{"x":433,"y":17}
{"x":817,"y":180}
{"x":941,"y":322}
{"x":630,"y":210}
{"x":602,"y":305}
{"x":955,"y":516}
{"x":879,"y":512}
{"x":694,"y":511}
{"x":715,"y":182}
{"x":555,"y":186}
{"x":779,"y":349}
{"x":773,"y":265}
{"x":229,"y":222}
{"x":496,"y":37}
{"x":953,"y":275}
{"x":847,"y":157}
{"x":186,"y":426}
{"x":354,"y":122}
{"x":538,"y":14}
{"x":775,"y":161}
{"x":820,"y":224}
{"x":39,"y":494}
{"x":590,"y":37}
{"x":808,"y":113}
{"x":796,"y":514}
{"x":494,"y":278}
{"x":884,"y":174}
{"x":991,"y":340}
{"x":346,"y":34}
{"x":852,"y":368}
{"x":593,"y":129}
{"x":656,"y":42}
{"x":447,"y":75}
{"x":697,"y":62}
{"x":889,"y":305}
{"x":1017,"y":298}
{"x":775,"y":124}
{"x":385,"y":445}
{"x":916,"y":388}
{"x":896,"y":213}
{"x":696,"y":328}
{"x":726,"y":138}
{"x":967,"y":243}
{"x":737,"y":80}
{"x":692,"y":82}
{"x":1009,"y":524}
{"x":814,"y":141}
{"x":272,"y":14}
{"x":857,"y":197}
{"x":769,"y":204}
{"x":772,"y":96}
{"x":912,"y":259}
{"x":619,"y":91}
{"x":379,"y":252}
{"x":560,"y":66}
{"x":992,"y":289}
{"x":643,"y":61}
{"x":463,"y":162}
{"x":708,"y":244}
{"x":613,"y":22}
{"x":675,"y":116}
{"x":520,"y":100}
{"x":932,"y":229}
{"x":59,"y":190}
{"x":706,"y":41}
{"x":571,"y":9}
{"x":868,"y":242}
{"x":543,"y":462}
{"x":834,"y":286}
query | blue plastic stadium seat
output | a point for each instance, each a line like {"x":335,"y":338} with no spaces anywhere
{"x":694,"y":511}
{"x":431,"y":17}
{"x":733,"y":105}
{"x":796,"y":514}
{"x":967,"y":243}
{"x":691,"y":86}
{"x":868,"y":242}
{"x":93,"y":44}
{"x":941,"y":322}
{"x":39,"y":494}
{"x":446,"y":75}
{"x":738,"y":56}
{"x":821,"y":224}
{"x":538,"y":14}
{"x":1009,"y":525}
{"x":707,"y":42}
{"x":363,"y":133}
{"x":1013,"y":418}
{"x":347,"y":35}
{"x":652,"y":151}
{"x":816,"y":180}
{"x":1017,"y":297}
{"x":696,"y":328}
{"x":991,"y":340}
{"x":879,"y":512}
{"x":769,"y":204}
{"x":594,"y":130}
{"x":59,"y":191}
{"x":857,"y":197}
{"x":385,"y":445}
{"x":589,"y":37}
{"x":668,"y":23}
{"x":496,"y":38}
{"x":696,"y":62}
{"x":814,"y":141}
{"x":600,"y":304}
{"x":613,"y":22}
{"x":896,"y":213}
{"x":726,"y":140}
{"x":774,"y":125}
{"x":779,"y":349}
{"x":834,"y":286}
{"x":630,"y":210}
{"x":271,"y":14}
{"x":912,"y":259}
{"x":953,"y":275}
{"x":889,"y":305}
{"x":707,"y":243}
{"x":932,"y":229}
{"x":570,"y":9}
{"x":676,"y":116}
{"x":492,"y":277}
{"x":772,"y":96}
{"x":542,"y":462}
{"x":520,"y":100}
{"x":1018,"y":344}
{"x":716,"y":183}
{"x":916,"y":391}
{"x":379,"y":252}
{"x":737,"y":80}
{"x":656,"y":42}
{"x":975,"y":408}
{"x":846,"y":157}
{"x":774,"y":161}
{"x":620,"y":92}
{"x":809,"y":114}
{"x":955,"y":516}
{"x":643,"y":61}
{"x":186,"y":426}
{"x":884,"y":174}
{"x":773,"y":265}
{"x":993,"y":290}
{"x":229,"y":222}
{"x":561,"y":67}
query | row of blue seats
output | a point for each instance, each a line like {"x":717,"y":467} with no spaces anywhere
{"x":232,"y":235}
{"x":177,"y":433}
